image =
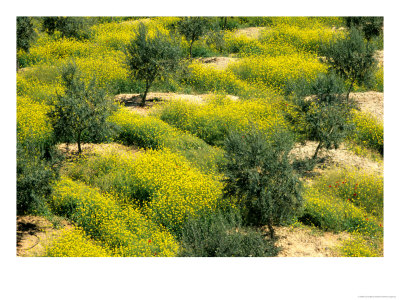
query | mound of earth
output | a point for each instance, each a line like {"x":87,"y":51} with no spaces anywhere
{"x":308,"y":242}
{"x":34,"y":233}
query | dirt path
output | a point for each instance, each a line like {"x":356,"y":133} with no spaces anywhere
{"x":34,"y":233}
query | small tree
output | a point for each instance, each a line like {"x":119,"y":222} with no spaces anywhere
{"x":351,"y":58}
{"x":258,"y":172}
{"x":149,"y":57}
{"x":25,"y":34}
{"x":323,"y":114}
{"x":80,"y":115}
{"x":192,"y":28}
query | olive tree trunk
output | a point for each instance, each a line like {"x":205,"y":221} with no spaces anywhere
{"x":79,"y":142}
{"x":143,"y":103}
{"x":271,"y":229}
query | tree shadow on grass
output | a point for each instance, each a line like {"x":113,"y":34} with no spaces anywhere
{"x":136,"y":100}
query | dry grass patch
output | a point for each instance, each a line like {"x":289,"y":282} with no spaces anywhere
{"x":341,"y":157}
{"x":220,"y":63}
{"x":370,"y":102}
{"x":308,"y":242}
{"x":251,"y":32}
{"x":71,"y":150}
{"x":379,"y":57}
{"x":152,"y":98}
{"x":131,"y":101}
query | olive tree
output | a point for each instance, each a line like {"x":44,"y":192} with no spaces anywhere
{"x":192,"y":28}
{"x":351,"y":57}
{"x":150,"y":57}
{"x":25,"y":34}
{"x":80,"y":115}
{"x":323,"y":113}
{"x":258,"y":172}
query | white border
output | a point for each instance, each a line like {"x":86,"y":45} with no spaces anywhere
{"x":196,"y":278}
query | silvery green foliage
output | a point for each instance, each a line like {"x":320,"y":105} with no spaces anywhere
{"x":352,"y":58}
{"x":80,"y":114}
{"x":323,"y":113}
{"x":259,"y":173}
{"x":370,"y":26}
{"x":221,"y":234}
{"x":192,"y":28}
{"x":149,"y":57}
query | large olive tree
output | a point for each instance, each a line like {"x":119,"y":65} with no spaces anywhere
{"x":259,"y":173}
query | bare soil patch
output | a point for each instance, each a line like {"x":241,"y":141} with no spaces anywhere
{"x":370,"y":102}
{"x":308,"y":242}
{"x":379,"y":57}
{"x":341,"y":157}
{"x":25,"y":69}
{"x":218,"y":62}
{"x":34,"y":233}
{"x":251,"y":32}
{"x":70,"y":151}
{"x":334,"y":28}
{"x":132,"y":101}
